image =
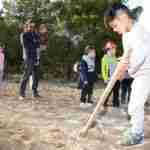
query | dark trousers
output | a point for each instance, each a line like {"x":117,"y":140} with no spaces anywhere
{"x":87,"y":92}
{"x":115,"y":91}
{"x":30,"y":69}
{"x":126,"y":89}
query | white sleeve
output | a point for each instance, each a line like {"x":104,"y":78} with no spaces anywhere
{"x":137,"y":60}
{"x":126,"y":47}
{"x":140,"y":48}
{"x":125,"y":43}
{"x":137,"y":53}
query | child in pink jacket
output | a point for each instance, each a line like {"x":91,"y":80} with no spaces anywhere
{"x":2,"y":59}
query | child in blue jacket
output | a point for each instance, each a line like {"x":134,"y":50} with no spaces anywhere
{"x":87,"y":75}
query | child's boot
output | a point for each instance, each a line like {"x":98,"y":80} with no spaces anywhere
{"x":90,"y":102}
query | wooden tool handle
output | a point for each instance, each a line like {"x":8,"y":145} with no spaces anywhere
{"x":98,"y":106}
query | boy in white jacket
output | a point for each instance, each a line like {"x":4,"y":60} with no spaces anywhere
{"x":136,"y":40}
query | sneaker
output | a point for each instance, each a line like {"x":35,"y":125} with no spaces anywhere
{"x":89,"y":104}
{"x":84,"y":105}
{"x":129,"y":138}
{"x":21,"y":97}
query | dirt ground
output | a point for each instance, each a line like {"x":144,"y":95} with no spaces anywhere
{"x":54,"y":121}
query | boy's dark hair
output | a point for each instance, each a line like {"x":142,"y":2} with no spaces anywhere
{"x":113,"y":11}
{"x":88,"y":49}
{"x":136,"y":12}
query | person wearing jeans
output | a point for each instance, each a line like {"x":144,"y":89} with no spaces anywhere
{"x":87,"y":76}
{"x":126,"y":88}
{"x":31,"y":44}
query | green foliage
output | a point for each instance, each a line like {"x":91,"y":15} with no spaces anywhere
{"x":72,"y":25}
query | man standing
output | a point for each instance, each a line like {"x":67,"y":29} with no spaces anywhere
{"x":31,"y":43}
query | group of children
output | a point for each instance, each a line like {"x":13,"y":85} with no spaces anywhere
{"x":87,"y":69}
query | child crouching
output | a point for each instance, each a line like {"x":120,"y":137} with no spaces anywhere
{"x":87,"y":76}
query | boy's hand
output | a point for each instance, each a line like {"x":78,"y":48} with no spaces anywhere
{"x":121,"y":69}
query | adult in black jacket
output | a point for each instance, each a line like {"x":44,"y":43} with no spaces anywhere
{"x":31,"y":44}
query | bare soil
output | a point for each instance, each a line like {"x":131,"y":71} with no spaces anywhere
{"x":54,"y":121}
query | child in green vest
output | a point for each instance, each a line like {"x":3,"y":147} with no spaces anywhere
{"x":109,"y":63}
